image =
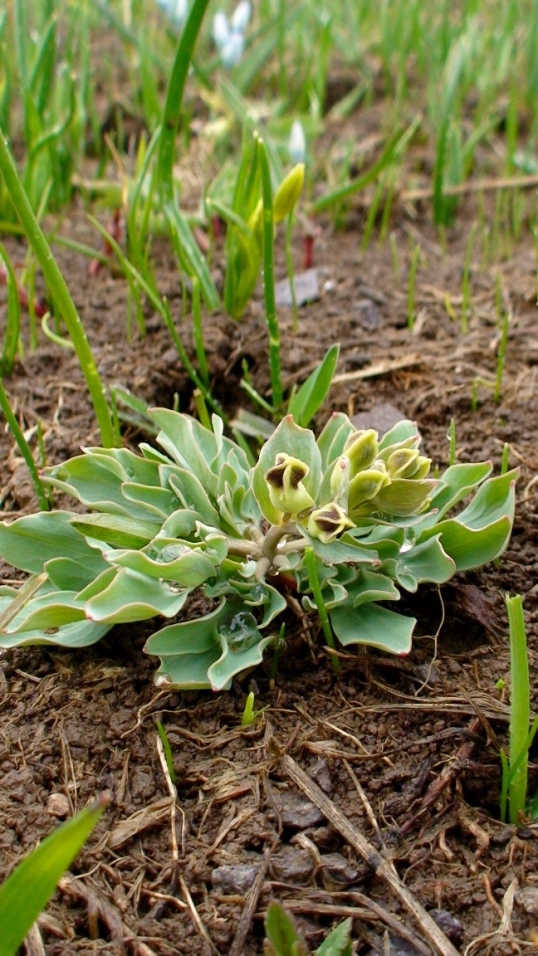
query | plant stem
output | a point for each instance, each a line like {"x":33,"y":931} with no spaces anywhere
{"x":59,"y":291}
{"x":310,"y":561}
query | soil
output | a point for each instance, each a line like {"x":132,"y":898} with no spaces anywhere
{"x":406,"y":750}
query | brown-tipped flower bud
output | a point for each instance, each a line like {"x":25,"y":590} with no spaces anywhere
{"x":287,"y":194}
{"x":361,"y":448}
{"x":285,"y":485}
{"x":367,"y":484}
{"x":328,"y":522}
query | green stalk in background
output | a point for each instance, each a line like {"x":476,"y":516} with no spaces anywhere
{"x":174,"y":99}
{"x":24,"y":448}
{"x":59,"y":291}
{"x":275,"y":365}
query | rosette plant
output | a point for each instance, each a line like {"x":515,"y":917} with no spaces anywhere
{"x":197,"y":516}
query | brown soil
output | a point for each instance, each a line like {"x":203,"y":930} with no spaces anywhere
{"x":377,"y":738}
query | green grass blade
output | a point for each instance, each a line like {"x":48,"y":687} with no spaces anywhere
{"x":13,"y":324}
{"x":519,"y":706}
{"x":24,"y":448}
{"x":59,"y":291}
{"x":394,"y":146}
{"x":190,"y":252}
{"x":26,"y":892}
{"x":312,"y":393}
{"x":174,"y":99}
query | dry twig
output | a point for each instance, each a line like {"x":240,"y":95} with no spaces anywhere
{"x":382,"y":867}
{"x":108,"y":914}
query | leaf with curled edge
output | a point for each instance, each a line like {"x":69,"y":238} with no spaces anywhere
{"x":373,"y":625}
{"x":481,"y":532}
{"x":29,"y":542}
{"x":129,"y":596}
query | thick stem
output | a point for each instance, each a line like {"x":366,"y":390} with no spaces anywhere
{"x":269,"y":547}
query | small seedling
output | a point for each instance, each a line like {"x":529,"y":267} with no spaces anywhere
{"x":249,"y":715}
{"x":169,"y":757}
{"x":284,"y":939}
{"x":415,"y":259}
{"x":514,"y":782}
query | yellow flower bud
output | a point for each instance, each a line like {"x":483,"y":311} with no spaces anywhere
{"x":287,"y":194}
{"x":328,"y":522}
{"x":285,"y":485}
{"x":366,"y":485}
{"x":255,"y":219}
{"x":401,"y":462}
{"x":404,"y":497}
{"x":339,"y":483}
{"x":361,"y":448}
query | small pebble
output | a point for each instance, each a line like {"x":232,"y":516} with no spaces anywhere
{"x":339,"y":868}
{"x":58,"y":805}
{"x":527,"y":897}
{"x":292,"y":865}
{"x":449,"y":924}
{"x":298,"y":813}
{"x":382,"y":416}
{"x":306,"y":289}
{"x":321,"y":775}
{"x":234,"y":878}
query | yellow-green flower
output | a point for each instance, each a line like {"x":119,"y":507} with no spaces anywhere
{"x":328,"y":522}
{"x":285,"y":485}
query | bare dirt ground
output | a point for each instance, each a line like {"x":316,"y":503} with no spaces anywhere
{"x":406,"y":751}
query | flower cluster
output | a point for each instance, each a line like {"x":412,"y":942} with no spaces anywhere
{"x":229,"y":35}
{"x":366,"y":479}
{"x":175,"y":10}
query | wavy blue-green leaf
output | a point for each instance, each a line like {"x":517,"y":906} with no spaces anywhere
{"x":134,"y":597}
{"x":374,"y":626}
{"x":119,"y":531}
{"x":401,"y":432}
{"x":481,"y":532}
{"x":46,"y":611}
{"x":189,"y":444}
{"x":159,"y":502}
{"x":94,"y":480}
{"x":427,"y":561}
{"x":454,"y":485}
{"x":172,"y":561}
{"x":333,"y":438}
{"x":29,"y":542}
{"x":372,"y":586}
